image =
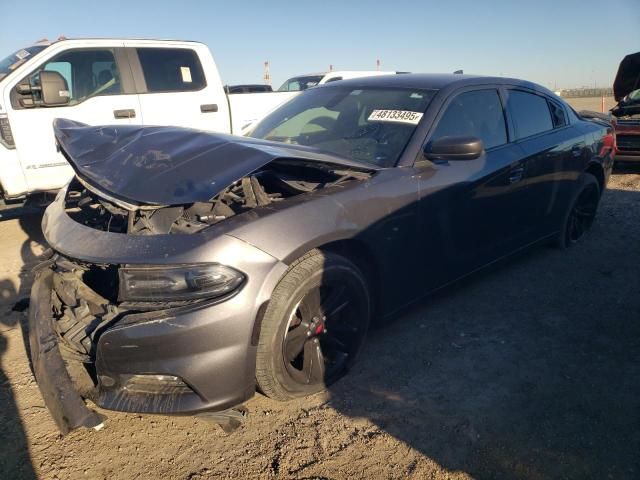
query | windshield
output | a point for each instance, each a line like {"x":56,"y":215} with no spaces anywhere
{"x":13,"y":61}
{"x":297,"y":84}
{"x":365,"y":124}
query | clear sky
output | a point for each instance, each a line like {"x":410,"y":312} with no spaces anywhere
{"x":558,"y":43}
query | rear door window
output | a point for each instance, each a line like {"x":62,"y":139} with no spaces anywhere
{"x":530,"y":113}
{"x":171,"y":69}
{"x":477,"y":113}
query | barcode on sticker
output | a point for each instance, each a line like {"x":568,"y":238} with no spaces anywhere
{"x":399,"y":116}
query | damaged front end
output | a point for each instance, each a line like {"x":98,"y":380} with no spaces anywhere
{"x":269,"y":185}
{"x":149,"y":303}
{"x":134,"y":355}
{"x":67,"y":318}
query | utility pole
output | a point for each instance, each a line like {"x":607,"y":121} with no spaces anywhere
{"x":267,"y":76}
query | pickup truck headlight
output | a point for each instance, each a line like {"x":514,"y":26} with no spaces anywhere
{"x":183,"y":282}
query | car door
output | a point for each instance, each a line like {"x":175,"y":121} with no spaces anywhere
{"x":469,"y":208}
{"x":179,"y":86}
{"x":540,"y":127}
{"x":101,"y":93}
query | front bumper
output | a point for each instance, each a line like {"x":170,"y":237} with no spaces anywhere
{"x":208,"y":347}
{"x":65,"y":404}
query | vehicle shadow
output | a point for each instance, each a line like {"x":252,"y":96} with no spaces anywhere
{"x":528,"y":370}
{"x":15,"y":461}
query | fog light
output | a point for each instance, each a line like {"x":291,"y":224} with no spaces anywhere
{"x":154,"y":384}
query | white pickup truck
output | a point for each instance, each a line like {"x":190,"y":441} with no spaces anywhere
{"x":107,"y":82}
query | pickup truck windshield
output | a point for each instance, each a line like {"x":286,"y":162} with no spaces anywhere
{"x":13,"y":61}
{"x":370,"y":125}
{"x":297,"y":84}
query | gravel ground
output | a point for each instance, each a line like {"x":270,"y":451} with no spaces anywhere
{"x":527,"y":371}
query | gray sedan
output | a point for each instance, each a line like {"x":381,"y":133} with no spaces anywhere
{"x":189,"y":269}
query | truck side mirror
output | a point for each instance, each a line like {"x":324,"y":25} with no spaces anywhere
{"x":54,"y":88}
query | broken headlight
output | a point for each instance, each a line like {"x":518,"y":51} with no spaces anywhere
{"x":184,"y":282}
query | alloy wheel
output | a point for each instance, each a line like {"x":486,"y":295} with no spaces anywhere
{"x":582,"y":215}
{"x":323,"y":332}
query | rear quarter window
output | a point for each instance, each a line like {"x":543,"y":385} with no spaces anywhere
{"x":529,"y":112}
{"x":171,"y":69}
{"x":558,"y":115}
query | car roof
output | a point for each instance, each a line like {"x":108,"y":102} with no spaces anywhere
{"x":433,"y":81}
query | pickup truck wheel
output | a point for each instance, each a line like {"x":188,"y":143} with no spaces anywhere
{"x":581,"y":213}
{"x":314,"y":326}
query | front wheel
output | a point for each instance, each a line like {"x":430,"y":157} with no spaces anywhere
{"x":314,"y":326}
{"x":581,"y":213}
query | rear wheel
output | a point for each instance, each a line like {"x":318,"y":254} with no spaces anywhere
{"x":314,"y":326}
{"x":582,"y":212}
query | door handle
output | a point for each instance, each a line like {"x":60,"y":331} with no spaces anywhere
{"x":516,"y":174}
{"x":125,"y":113}
{"x":209,"y":107}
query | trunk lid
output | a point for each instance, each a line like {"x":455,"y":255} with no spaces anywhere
{"x":628,"y":76}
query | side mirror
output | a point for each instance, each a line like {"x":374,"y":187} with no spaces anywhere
{"x":454,"y":148}
{"x":55,"y":91}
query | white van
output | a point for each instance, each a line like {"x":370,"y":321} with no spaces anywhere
{"x":107,"y":82}
{"x":302,"y":82}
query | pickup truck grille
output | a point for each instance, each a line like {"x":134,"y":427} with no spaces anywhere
{"x":628,"y":143}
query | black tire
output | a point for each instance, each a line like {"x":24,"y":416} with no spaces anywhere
{"x":314,"y":326}
{"x":581,"y":213}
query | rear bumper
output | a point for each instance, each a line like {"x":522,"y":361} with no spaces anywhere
{"x":626,"y":157}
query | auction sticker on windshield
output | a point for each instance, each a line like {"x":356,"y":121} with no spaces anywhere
{"x":398,"y":116}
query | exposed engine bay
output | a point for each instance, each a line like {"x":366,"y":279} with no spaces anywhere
{"x":275,"y":182}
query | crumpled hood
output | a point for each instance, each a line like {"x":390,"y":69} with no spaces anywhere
{"x":628,"y":76}
{"x":170,"y":165}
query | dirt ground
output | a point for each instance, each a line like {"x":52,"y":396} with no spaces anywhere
{"x":528,"y":371}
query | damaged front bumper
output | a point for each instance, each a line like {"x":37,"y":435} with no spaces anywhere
{"x":183,"y":360}
{"x":65,"y":404}
{"x":190,"y":359}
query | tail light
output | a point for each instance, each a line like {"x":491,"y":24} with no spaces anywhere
{"x":6,"y":136}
